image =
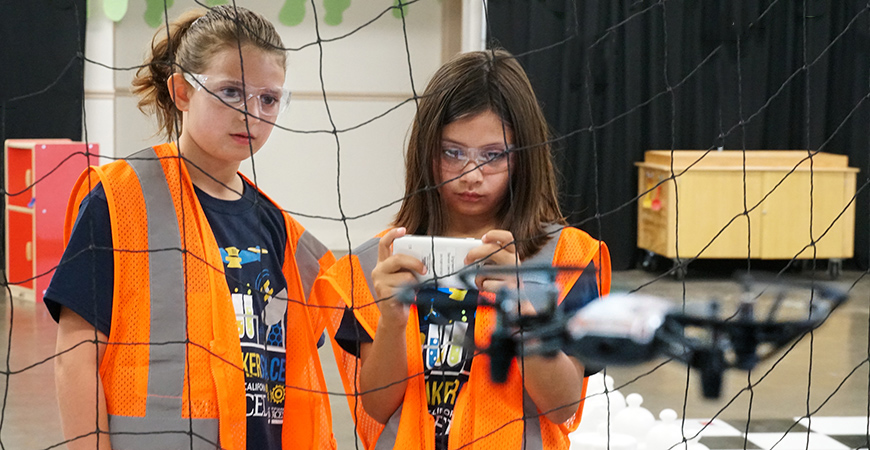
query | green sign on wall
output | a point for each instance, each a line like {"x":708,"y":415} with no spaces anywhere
{"x":292,"y":13}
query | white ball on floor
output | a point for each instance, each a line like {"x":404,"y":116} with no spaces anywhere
{"x":633,"y":420}
{"x":665,"y":433}
{"x":597,"y":402}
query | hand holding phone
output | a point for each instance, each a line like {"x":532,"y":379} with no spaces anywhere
{"x":443,"y":257}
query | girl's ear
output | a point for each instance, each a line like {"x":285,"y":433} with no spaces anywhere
{"x":180,"y":91}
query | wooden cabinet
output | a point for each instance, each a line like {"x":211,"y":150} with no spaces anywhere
{"x":39,"y":177}
{"x":776,"y":209}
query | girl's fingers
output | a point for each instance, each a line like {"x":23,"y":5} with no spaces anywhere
{"x":495,"y":284}
{"x":491,"y":254}
{"x":401,"y":263}
{"x":500,"y":238}
{"x":497,"y":248}
{"x":388,"y":284}
{"x":385,"y":245}
{"x":392,"y":272}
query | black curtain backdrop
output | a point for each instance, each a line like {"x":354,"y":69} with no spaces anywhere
{"x":41,"y":72}
{"x":617,"y":78}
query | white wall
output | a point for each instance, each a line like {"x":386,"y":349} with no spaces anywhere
{"x":99,"y":83}
{"x":364,"y":75}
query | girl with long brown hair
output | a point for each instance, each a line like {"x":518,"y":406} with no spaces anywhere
{"x":478,"y":165}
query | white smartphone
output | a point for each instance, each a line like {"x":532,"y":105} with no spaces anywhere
{"x":442,"y":256}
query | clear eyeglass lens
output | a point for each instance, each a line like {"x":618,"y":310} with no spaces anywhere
{"x":488,"y":160}
{"x":270,"y":101}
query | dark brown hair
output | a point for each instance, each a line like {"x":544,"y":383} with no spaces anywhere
{"x":189,"y":44}
{"x":469,"y":84}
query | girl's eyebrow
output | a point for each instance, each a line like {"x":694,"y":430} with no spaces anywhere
{"x":500,"y":144}
{"x":238,"y":82}
{"x":228,"y":80}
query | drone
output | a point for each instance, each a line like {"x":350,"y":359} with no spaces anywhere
{"x":634,"y":328}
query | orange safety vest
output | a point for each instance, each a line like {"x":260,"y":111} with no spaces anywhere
{"x":486,"y":415}
{"x":172,"y":372}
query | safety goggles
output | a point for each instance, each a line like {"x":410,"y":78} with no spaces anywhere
{"x":489,"y":160}
{"x":271,"y":101}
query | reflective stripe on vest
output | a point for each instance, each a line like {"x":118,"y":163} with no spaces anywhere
{"x":532,"y":439}
{"x":163,"y":422}
{"x":367,"y":254}
{"x":537,"y":285}
{"x":546,"y":254}
{"x":387,"y":439}
{"x":308,"y":253}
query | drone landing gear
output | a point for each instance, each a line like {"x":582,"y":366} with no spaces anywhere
{"x":711,"y":363}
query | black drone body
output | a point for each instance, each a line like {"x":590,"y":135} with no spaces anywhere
{"x":633,"y":328}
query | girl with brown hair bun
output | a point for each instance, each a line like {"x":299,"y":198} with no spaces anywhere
{"x":182,"y":295}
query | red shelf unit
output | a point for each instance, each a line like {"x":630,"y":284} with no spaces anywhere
{"x":39,"y":177}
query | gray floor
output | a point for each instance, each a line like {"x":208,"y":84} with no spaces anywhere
{"x":825,"y":374}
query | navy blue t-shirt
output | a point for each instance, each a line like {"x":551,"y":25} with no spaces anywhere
{"x":252,"y":236}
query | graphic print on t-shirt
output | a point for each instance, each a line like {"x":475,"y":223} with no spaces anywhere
{"x":260,"y":316}
{"x":446,"y":337}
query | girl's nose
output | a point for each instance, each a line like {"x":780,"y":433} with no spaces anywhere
{"x":471,"y":173}
{"x":253,"y":108}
